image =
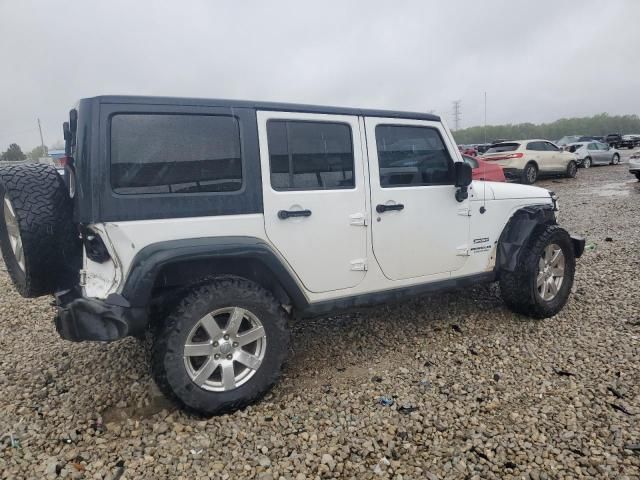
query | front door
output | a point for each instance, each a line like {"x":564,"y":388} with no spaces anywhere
{"x":418,"y":226}
{"x":314,"y":195}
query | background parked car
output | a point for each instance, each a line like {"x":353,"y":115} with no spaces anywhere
{"x":483,"y":170}
{"x":613,"y":140}
{"x":468,"y":150}
{"x":634,"y":165}
{"x":630,"y":141}
{"x":590,"y":138}
{"x":567,"y":139}
{"x":526,"y":160}
{"x":594,"y":153}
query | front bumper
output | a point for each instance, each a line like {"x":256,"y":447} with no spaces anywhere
{"x":80,"y":318}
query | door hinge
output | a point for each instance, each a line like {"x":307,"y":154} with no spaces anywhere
{"x":464,"y":211}
{"x":358,"y":219}
{"x":463,"y":251}
{"x":359,"y":265}
{"x":83,"y":278}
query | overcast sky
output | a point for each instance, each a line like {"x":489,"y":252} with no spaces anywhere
{"x":537,"y":60}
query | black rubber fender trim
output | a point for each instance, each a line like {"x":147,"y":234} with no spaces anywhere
{"x":517,"y":232}
{"x":149,"y":261}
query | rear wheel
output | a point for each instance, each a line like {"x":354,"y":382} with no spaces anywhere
{"x":540,"y":284}
{"x":572,"y":169}
{"x":222,"y":348}
{"x":37,"y":235}
{"x":586,"y":163}
{"x":529,"y":174}
{"x":615,"y":159}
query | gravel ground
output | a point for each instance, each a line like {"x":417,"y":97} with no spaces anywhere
{"x":477,"y":391}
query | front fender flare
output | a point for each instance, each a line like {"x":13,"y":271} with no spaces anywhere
{"x":517,"y":232}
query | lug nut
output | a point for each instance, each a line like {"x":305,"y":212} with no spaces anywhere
{"x":215,"y":344}
{"x":216,"y":356}
{"x":226,"y":337}
{"x":235,"y":344}
{"x":229,"y":357}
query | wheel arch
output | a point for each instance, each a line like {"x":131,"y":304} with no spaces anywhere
{"x":167,"y":266}
{"x":517,"y":232}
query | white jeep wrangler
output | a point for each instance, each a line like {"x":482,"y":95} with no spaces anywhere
{"x":210,"y":223}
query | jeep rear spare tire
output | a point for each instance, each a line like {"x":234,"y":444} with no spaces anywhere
{"x":540,"y":284}
{"x":37,"y":236}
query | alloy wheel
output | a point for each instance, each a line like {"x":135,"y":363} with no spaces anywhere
{"x":225,"y":349}
{"x":13,"y":231}
{"x":550,"y":272}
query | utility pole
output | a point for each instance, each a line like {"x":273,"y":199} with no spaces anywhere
{"x":485,"y":117}
{"x":456,"y":114}
{"x":44,"y":150}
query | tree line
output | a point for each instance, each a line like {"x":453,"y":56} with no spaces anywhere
{"x":600,"y":125}
{"x":15,"y":154}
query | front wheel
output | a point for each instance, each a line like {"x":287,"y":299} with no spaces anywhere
{"x":572,"y":169}
{"x":222,"y":348}
{"x":615,"y":159}
{"x":530,"y":174}
{"x":586,"y":163}
{"x":540,"y":284}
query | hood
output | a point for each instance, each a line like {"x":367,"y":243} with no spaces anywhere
{"x":507,"y":191}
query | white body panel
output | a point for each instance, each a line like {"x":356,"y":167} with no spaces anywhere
{"x":328,"y":249}
{"x":430,"y":234}
{"x":419,"y":246}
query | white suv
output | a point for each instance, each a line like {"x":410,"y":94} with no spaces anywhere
{"x":211,"y":223}
{"x":527,"y":160}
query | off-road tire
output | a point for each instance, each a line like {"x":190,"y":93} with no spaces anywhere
{"x":518,"y":288}
{"x":167,"y":362}
{"x":572,"y":169}
{"x":44,"y":214}
{"x":527,"y":178}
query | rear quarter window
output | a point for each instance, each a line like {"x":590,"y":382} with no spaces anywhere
{"x":172,"y":154}
{"x":503,"y":147}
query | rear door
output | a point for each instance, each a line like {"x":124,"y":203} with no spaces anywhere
{"x":314,"y":195}
{"x":594,"y":152}
{"x":418,"y":227}
{"x":556,"y":159}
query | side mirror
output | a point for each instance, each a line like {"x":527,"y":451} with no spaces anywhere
{"x":463,"y":177}
{"x":463,"y":173}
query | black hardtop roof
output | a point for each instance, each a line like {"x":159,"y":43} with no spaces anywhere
{"x":273,"y":106}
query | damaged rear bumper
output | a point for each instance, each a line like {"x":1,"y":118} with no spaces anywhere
{"x":89,"y":319}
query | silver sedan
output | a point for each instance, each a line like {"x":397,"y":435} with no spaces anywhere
{"x":594,"y":153}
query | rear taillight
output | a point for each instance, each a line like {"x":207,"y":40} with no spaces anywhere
{"x":509,"y":156}
{"x":63,"y":161}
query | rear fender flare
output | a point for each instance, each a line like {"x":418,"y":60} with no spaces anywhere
{"x":152,"y":259}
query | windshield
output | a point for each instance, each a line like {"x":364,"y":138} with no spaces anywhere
{"x":503,"y":147}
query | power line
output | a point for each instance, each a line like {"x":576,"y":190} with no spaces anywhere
{"x":457,"y":114}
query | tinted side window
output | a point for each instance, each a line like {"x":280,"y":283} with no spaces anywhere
{"x":550,"y":147}
{"x":535,"y":146}
{"x":412,"y":156}
{"x":305,"y":155}
{"x":175,"y":154}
